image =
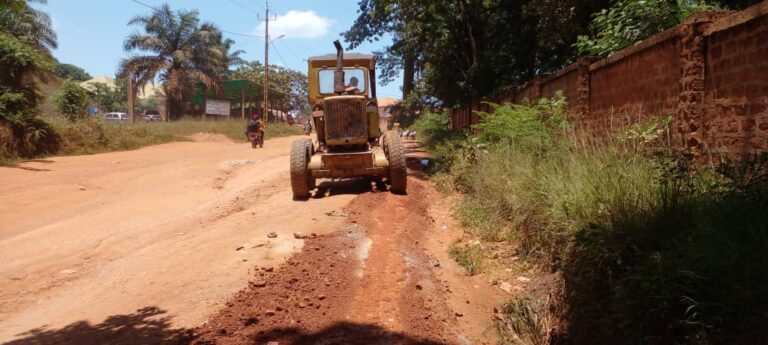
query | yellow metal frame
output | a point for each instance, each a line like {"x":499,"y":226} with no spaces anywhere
{"x":316,"y":65}
{"x":349,"y":164}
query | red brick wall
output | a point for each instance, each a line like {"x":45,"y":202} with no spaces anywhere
{"x":528,"y":91}
{"x":566,"y":82}
{"x":636,"y":87}
{"x":710,"y":74}
{"x":736,"y":101}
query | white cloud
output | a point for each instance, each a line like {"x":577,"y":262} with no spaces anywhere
{"x":297,"y":24}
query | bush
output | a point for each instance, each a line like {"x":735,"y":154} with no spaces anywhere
{"x":71,"y":101}
{"x":70,"y":71}
{"x":530,"y":126}
{"x":470,"y":257}
{"x":652,"y":249}
{"x":630,"y":21}
{"x":686,"y":267}
{"x":24,"y":133}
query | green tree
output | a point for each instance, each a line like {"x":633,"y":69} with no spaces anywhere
{"x":457,"y":51}
{"x":182,"y":52}
{"x":287,"y":87}
{"x":101,"y":93}
{"x":71,"y":100}
{"x":26,"y":37}
{"x":630,"y":21}
{"x":70,"y":71}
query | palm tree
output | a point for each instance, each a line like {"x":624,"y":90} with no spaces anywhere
{"x":233,"y":58}
{"x":183,"y":52}
{"x":30,"y":25}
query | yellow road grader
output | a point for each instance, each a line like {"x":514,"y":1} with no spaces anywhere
{"x":342,"y":93}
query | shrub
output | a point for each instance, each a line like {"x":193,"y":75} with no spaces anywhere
{"x":26,"y":134}
{"x":70,"y":71}
{"x":631,"y":21}
{"x":528,"y":126}
{"x":434,"y":132}
{"x":470,"y":257}
{"x":71,"y":101}
{"x":687,"y":267}
{"x":652,"y":249}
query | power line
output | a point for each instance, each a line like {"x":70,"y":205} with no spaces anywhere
{"x":145,"y":5}
{"x":248,"y":42}
{"x":243,"y":6}
{"x":291,"y":50}
{"x":258,"y":4}
{"x":224,"y":31}
{"x":244,"y":35}
{"x":279,"y":55}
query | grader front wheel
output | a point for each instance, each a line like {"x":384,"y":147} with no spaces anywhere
{"x":398,"y":175}
{"x":301,"y":177}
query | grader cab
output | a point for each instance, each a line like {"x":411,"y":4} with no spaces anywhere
{"x":342,"y":93}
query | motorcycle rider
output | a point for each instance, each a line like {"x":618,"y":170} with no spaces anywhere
{"x":255,"y":125}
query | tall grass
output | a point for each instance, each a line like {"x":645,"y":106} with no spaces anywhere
{"x":96,"y":136}
{"x":652,"y":250}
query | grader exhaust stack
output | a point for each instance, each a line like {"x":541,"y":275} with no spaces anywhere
{"x":349,"y":141}
{"x":338,"y":74}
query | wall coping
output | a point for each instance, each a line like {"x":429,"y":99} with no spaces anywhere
{"x":720,"y":21}
{"x":568,"y":69}
{"x":649,"y":42}
{"x":738,"y":18}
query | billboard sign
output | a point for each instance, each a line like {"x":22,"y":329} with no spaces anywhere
{"x":217,"y":107}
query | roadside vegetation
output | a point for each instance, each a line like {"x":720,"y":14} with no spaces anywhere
{"x":96,"y":136}
{"x":650,"y":247}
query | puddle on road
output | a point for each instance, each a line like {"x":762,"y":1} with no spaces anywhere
{"x":234,"y":164}
{"x":362,"y":248}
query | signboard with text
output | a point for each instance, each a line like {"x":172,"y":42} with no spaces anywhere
{"x":217,"y":107}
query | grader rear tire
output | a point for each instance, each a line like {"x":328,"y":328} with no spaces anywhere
{"x":398,"y":174}
{"x":300,"y":174}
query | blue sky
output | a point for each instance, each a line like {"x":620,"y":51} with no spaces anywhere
{"x":91,"y":32}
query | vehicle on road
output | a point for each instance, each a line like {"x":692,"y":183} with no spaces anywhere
{"x":254,"y":130}
{"x":342,"y":93}
{"x":256,"y":138}
{"x":116,"y":117}
{"x":152,"y":116}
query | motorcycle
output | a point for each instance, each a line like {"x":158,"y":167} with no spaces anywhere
{"x":256,"y":139}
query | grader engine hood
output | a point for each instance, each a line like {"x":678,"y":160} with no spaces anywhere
{"x":346,"y":121}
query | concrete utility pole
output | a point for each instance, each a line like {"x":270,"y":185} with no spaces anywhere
{"x":266,"y":62}
{"x":130,"y":98}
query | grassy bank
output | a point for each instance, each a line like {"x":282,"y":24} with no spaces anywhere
{"x":650,"y":249}
{"x":95,"y":136}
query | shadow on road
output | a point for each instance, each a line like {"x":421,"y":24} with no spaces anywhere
{"x":338,"y":333}
{"x":20,"y":166}
{"x":414,"y":155}
{"x":352,"y":186}
{"x":148,"y":325}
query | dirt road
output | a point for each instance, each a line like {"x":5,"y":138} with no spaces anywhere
{"x":144,"y":246}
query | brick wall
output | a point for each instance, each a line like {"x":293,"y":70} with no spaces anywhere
{"x":736,"y":87}
{"x":566,"y":81}
{"x":710,"y":74}
{"x":631,"y":88}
